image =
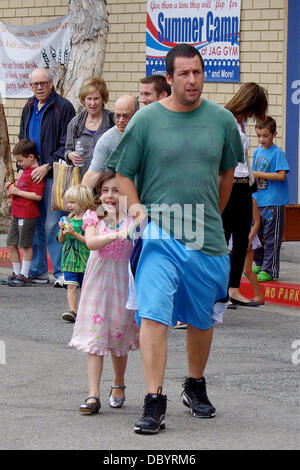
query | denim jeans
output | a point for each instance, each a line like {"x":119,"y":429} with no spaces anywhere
{"x":45,"y":236}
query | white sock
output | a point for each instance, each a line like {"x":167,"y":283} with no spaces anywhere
{"x":16,"y":268}
{"x":25,"y":268}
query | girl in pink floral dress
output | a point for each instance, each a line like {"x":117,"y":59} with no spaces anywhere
{"x":103,"y":324}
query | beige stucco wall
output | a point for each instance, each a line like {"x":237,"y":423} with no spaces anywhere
{"x":262,"y":51}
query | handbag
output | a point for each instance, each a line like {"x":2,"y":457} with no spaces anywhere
{"x":64,"y":177}
{"x":253,"y":187}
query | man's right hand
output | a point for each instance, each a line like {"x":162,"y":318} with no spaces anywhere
{"x":91,"y":178}
{"x":39,"y":173}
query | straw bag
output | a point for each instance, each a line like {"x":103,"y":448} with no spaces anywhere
{"x":64,"y":177}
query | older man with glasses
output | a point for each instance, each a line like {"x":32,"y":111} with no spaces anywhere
{"x":125,"y":107}
{"x":44,"y":120}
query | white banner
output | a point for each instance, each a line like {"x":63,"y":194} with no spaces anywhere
{"x":23,"y":48}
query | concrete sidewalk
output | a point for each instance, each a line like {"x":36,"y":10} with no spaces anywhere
{"x":285,"y":291}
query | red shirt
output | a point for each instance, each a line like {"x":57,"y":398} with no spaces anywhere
{"x":26,"y":208}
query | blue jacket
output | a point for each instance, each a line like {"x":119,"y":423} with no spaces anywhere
{"x":53,"y":133}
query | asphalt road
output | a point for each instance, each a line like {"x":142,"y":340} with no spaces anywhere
{"x":251,"y":380}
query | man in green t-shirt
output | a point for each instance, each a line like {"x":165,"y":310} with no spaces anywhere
{"x":180,"y":153}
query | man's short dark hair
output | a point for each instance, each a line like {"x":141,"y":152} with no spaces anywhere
{"x":160,"y":83}
{"x":181,"y":50}
{"x":25,"y":147}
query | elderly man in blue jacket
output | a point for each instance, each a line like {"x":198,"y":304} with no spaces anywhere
{"x":44,"y":120}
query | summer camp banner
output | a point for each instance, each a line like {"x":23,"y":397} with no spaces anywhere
{"x":23,"y":48}
{"x":212,"y":26}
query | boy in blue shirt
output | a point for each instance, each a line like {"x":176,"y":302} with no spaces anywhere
{"x":270,"y":167}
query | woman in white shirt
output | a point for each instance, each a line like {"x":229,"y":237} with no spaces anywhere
{"x":250,"y":101}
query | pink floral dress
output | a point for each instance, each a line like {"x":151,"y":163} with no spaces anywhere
{"x":103,"y":323}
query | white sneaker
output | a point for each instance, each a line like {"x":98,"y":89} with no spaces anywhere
{"x":59,"y":282}
{"x":180,"y":326}
{"x":41,"y":279}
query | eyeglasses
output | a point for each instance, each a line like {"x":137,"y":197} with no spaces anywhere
{"x":125,"y":116}
{"x":37,"y":84}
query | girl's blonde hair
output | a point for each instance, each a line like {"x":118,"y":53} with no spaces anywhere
{"x":82,"y":195}
{"x":251,"y":97}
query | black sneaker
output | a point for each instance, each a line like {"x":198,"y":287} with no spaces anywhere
{"x":195,"y":398}
{"x":153,"y":419}
{"x":6,"y":280}
{"x":20,"y":281}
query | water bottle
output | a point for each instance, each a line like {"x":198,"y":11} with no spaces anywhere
{"x":79,"y":150}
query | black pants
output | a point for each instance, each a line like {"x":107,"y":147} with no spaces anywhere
{"x":237,"y":219}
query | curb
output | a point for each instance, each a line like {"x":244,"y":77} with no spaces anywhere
{"x":276,"y":292}
{"x":6,"y":263}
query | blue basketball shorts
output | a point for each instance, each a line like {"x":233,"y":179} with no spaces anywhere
{"x":173,"y":283}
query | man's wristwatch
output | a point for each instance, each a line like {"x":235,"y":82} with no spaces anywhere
{"x":49,"y":166}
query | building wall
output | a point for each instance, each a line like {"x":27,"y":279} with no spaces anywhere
{"x":262,"y":54}
{"x":262,"y":51}
{"x":293,"y":99}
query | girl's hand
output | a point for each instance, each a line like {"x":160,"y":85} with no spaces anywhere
{"x":61,"y":225}
{"x":122,"y":234}
{"x":69,"y":231}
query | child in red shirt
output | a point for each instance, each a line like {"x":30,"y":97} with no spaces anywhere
{"x":24,"y":213}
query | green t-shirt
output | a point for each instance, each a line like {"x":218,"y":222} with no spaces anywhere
{"x":74,"y":253}
{"x":174,"y":159}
